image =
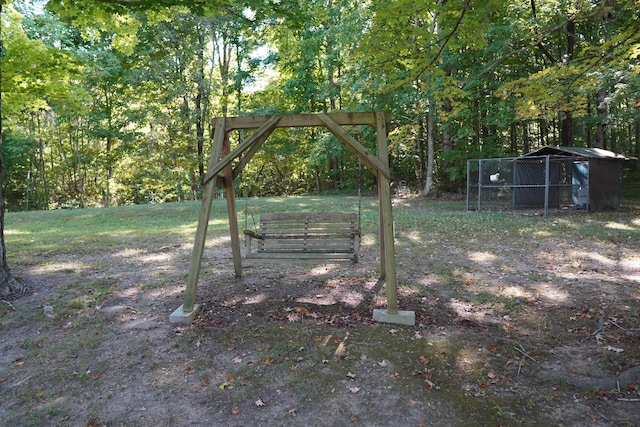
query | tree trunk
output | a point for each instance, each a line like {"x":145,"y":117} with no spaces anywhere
{"x":636,"y":151}
{"x":8,"y":285}
{"x":525,"y":138}
{"x":513,"y":139}
{"x":200,"y":97}
{"x":431,"y":124}
{"x":566,"y":129}
{"x":601,"y":108}
{"x":566,"y":138}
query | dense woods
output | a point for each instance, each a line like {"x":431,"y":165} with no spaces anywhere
{"x":111,"y":102}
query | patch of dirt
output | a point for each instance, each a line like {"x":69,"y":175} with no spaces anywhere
{"x":527,"y":328}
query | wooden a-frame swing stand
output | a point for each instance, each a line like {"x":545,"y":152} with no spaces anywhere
{"x":221,"y":173}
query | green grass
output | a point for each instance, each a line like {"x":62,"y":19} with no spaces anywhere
{"x":32,"y":237}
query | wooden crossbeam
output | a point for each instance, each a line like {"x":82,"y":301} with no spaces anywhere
{"x":371,"y":161}
{"x":266,"y":128}
{"x":304,"y":120}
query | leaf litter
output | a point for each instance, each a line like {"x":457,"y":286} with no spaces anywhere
{"x":511,"y":342}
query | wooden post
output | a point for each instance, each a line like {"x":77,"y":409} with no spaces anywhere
{"x":203,"y":222}
{"x":383,"y":258}
{"x":386,"y":218}
{"x":391,"y":314}
{"x":231,"y":209}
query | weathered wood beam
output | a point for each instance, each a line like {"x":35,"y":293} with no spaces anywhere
{"x":232,"y":211}
{"x":304,"y":120}
{"x":244,"y":160}
{"x":267,"y":127}
{"x":203,"y":222}
{"x":386,"y":223}
{"x":371,"y":161}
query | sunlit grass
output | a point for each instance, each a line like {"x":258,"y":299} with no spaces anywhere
{"x":419,"y":223}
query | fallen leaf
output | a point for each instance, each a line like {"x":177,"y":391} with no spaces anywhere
{"x":354,"y":389}
{"x":293,"y":412}
{"x":235,"y":412}
{"x":394,"y":375}
{"x":236,"y":360}
{"x":355,"y":418}
{"x":293,"y":367}
{"x":293,"y":317}
{"x":351,"y":375}
{"x":301,"y":310}
{"x":468,"y":282}
{"x":190,"y":370}
{"x":393,"y":331}
{"x":384,"y":363}
{"x":424,"y":360}
{"x":593,"y":416}
{"x":494,"y":349}
{"x":224,"y":385}
{"x":95,"y":376}
{"x":260,"y":403}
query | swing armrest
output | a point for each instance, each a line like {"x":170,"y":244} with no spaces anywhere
{"x":253,"y":234}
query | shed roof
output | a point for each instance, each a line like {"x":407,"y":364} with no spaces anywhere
{"x":592,"y":153}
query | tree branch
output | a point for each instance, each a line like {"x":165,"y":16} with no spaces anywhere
{"x":416,"y":76}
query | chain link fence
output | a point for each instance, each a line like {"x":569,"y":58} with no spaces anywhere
{"x":541,"y":183}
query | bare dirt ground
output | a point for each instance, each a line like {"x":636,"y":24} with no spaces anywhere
{"x":532,"y":324}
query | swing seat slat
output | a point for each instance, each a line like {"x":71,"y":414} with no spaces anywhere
{"x":330,"y":236}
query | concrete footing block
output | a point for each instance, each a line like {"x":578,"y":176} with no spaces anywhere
{"x":180,"y":316}
{"x":399,"y":318}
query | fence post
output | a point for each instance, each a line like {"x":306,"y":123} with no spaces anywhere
{"x":479,"y":185}
{"x":547,"y":174}
{"x":468,"y":181}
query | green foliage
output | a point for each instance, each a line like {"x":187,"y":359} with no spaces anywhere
{"x":15,"y":156}
{"x":112,"y":102}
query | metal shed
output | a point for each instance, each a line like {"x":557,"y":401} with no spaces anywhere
{"x":548,"y":178}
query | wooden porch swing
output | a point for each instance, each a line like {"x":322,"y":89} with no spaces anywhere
{"x":303,"y":236}
{"x":220,"y":173}
{"x":306,"y":236}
